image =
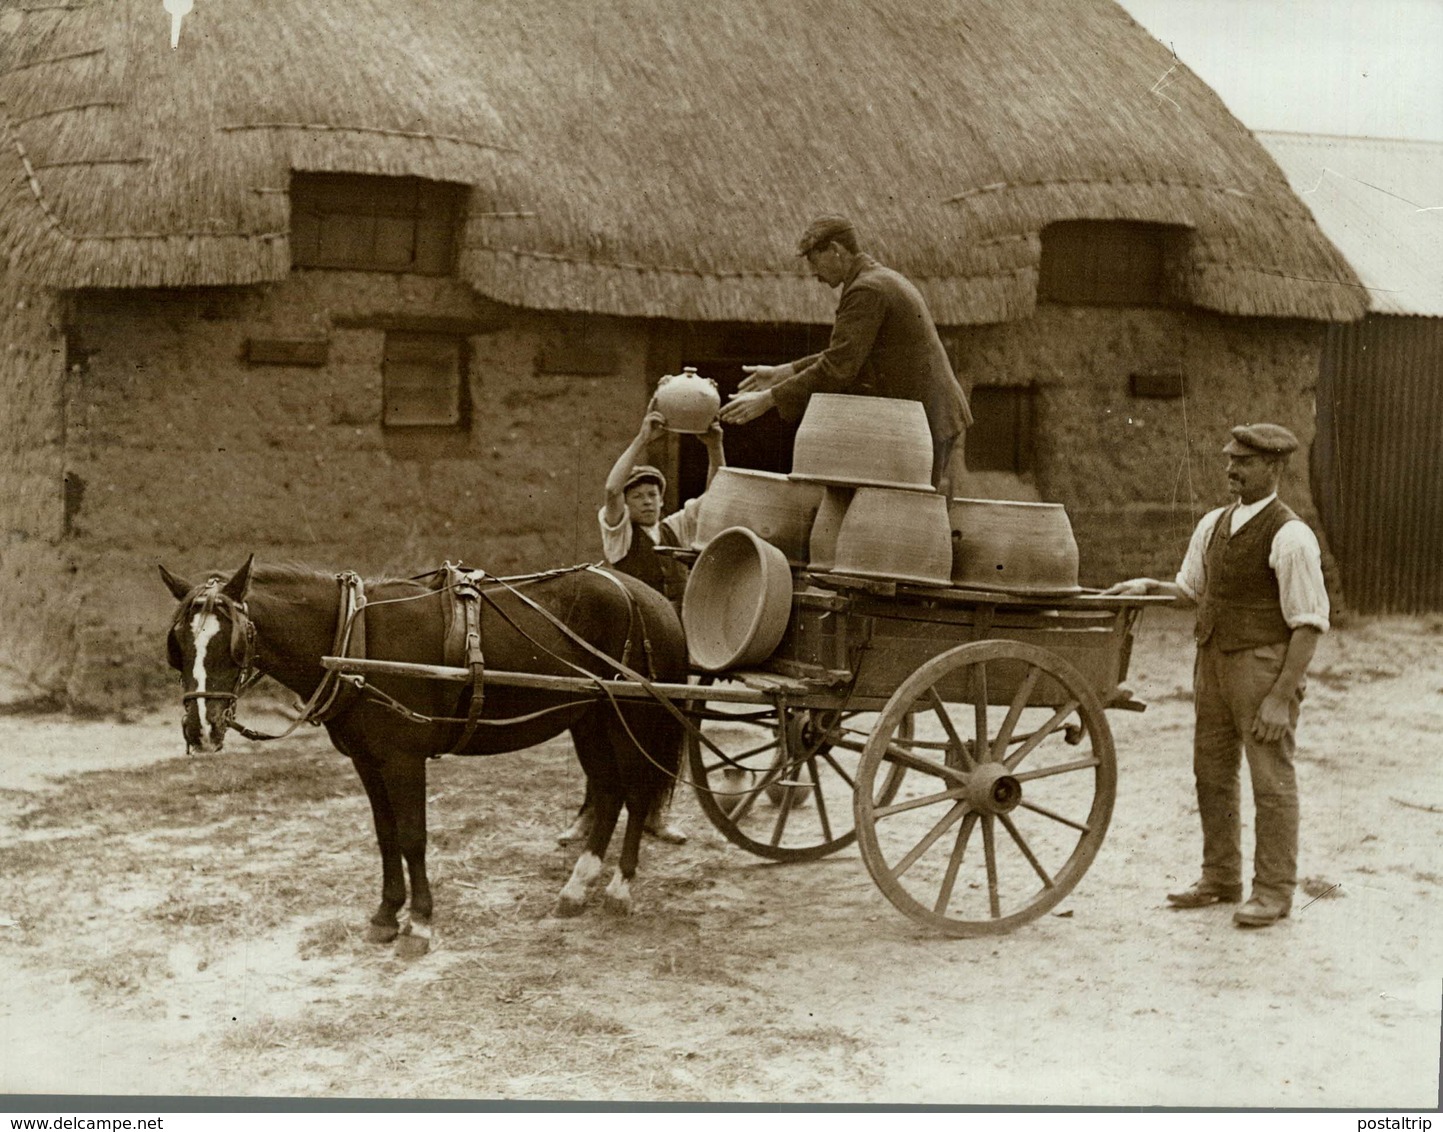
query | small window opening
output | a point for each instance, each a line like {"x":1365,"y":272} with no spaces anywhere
{"x":360,"y":223}
{"x":1111,"y":263}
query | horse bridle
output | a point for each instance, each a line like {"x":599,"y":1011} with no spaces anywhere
{"x":207,"y":601}
{"x":333,"y":694}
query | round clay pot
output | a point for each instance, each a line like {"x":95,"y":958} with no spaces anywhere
{"x":738,"y":601}
{"x":901,"y":535}
{"x":822,"y":546}
{"x":688,"y":401}
{"x":773,"y":506}
{"x":1016,"y":547}
{"x":864,"y":442}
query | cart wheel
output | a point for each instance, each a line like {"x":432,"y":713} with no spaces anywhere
{"x":782,"y":786}
{"x":1001,"y":815}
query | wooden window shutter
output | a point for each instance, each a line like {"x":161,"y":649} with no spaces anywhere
{"x":1110,"y":263}
{"x":422,"y":379}
{"x":352,"y":222}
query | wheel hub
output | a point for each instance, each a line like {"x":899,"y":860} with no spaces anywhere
{"x":991,"y":790}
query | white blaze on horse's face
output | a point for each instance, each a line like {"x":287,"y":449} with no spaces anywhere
{"x":205,"y":721}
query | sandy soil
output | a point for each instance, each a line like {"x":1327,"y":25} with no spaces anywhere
{"x":221,"y":954}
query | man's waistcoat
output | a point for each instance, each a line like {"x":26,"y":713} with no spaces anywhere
{"x":1240,"y":606}
{"x":664,"y":574}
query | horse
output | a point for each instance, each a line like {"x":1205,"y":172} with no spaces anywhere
{"x":582,"y":622}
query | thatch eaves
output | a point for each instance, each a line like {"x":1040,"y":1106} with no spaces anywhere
{"x":640,"y":157}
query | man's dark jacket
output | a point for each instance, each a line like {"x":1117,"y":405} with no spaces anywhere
{"x":884,"y":344}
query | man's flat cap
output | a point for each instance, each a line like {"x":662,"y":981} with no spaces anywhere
{"x":1261,"y":440}
{"x":822,"y":231}
{"x":645,"y":473}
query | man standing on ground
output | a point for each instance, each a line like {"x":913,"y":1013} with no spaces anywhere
{"x":1254,"y":572}
{"x":632,"y":528}
{"x":884,"y":343}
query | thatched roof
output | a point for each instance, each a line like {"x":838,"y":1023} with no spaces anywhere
{"x":640,"y":157}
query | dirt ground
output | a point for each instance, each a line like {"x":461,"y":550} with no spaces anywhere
{"x":193,"y":926}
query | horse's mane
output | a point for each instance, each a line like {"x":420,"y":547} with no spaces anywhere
{"x":283,"y":572}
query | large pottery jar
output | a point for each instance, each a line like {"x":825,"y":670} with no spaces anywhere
{"x":1002,"y":544}
{"x":688,"y":401}
{"x":775,"y":507}
{"x":863,"y":442}
{"x":900,"y":535}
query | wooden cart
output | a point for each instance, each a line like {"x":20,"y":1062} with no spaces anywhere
{"x":958,"y":736}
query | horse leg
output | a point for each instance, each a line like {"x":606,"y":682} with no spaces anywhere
{"x":406,"y":785}
{"x":581,"y":827}
{"x":617,"y":898}
{"x":384,"y":927}
{"x":607,"y":807}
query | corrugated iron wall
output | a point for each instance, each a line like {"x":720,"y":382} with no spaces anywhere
{"x":1378,"y":461}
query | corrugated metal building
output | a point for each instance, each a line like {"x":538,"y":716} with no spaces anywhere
{"x":1378,"y":454}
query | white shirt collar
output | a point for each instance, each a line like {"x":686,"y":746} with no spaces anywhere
{"x":1246,"y":511}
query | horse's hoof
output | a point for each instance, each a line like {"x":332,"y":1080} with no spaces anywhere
{"x":616,"y":905}
{"x":567,"y":908}
{"x":378,"y":933}
{"x":412,"y":946}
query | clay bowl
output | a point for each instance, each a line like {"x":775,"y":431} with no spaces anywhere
{"x":822,"y":545}
{"x":904,"y":536}
{"x":1015,"y":547}
{"x":738,"y":601}
{"x":773,"y":506}
{"x":863,"y":442}
{"x":688,"y":401}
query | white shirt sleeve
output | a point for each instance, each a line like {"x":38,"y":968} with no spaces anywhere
{"x":1191,"y":577}
{"x":682,"y":524}
{"x":615,"y":541}
{"x":1297,"y":560}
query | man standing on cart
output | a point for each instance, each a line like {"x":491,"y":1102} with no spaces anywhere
{"x":1254,"y":572}
{"x":884,"y":343}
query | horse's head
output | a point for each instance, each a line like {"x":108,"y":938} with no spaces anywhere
{"x":212,"y":644}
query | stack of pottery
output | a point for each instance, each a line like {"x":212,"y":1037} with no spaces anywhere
{"x":879,"y":517}
{"x":779,"y":509}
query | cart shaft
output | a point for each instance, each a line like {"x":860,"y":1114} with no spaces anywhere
{"x":622,"y":689}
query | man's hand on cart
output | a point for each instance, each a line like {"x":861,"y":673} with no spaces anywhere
{"x":1150,"y":587}
{"x":1133,"y":587}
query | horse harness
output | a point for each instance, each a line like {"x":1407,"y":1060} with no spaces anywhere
{"x":462,"y":647}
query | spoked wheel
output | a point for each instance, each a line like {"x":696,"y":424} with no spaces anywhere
{"x":1012,"y":786}
{"x":782,"y":787}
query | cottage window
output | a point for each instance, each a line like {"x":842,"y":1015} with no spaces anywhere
{"x":1001,"y":436}
{"x":355,"y":223}
{"x":423,"y":379}
{"x":1111,"y":263}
